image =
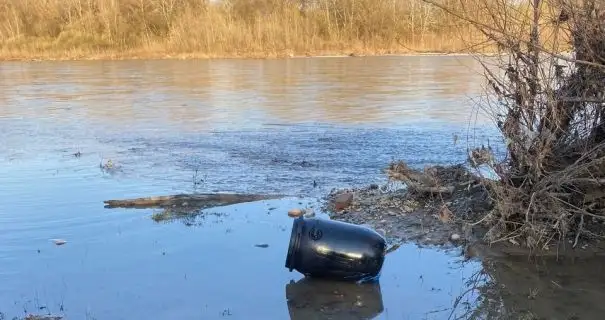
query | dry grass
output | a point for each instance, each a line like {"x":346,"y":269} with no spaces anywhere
{"x":77,"y":29}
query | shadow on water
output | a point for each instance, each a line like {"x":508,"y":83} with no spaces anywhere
{"x":544,"y":288}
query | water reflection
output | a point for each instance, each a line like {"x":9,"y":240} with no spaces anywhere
{"x":326,"y":299}
{"x":161,"y":121}
{"x":205,"y":95}
{"x":555,"y":288}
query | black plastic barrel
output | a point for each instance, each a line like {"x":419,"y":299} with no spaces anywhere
{"x":333,"y":249}
{"x":310,"y":298}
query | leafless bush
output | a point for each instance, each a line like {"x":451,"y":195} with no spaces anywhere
{"x":546,"y":91}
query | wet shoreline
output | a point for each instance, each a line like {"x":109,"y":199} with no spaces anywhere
{"x":253,"y":56}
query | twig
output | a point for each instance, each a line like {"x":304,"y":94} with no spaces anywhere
{"x":508,"y":237}
{"x":579,"y":209}
{"x":579,"y":231}
{"x":478,"y":222}
{"x":531,"y":202}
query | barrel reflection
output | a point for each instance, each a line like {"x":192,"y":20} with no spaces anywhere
{"x":311,"y":298}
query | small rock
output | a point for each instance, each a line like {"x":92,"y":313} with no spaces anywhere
{"x":394,"y":211}
{"x":373,"y":186}
{"x":59,"y":242}
{"x":455,"y":237}
{"x":343,"y":201}
{"x":310,"y":213}
{"x":261,"y":245}
{"x":295,"y":213}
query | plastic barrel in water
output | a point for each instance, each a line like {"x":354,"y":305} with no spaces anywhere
{"x":334,"y":249}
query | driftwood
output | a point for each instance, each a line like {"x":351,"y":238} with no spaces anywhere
{"x":416,"y":181}
{"x":199,"y":200}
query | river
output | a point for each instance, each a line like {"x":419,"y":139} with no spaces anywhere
{"x":299,"y":127}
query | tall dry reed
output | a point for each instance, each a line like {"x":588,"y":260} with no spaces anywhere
{"x":235,"y":28}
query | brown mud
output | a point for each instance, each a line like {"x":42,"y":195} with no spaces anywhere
{"x":426,"y":219}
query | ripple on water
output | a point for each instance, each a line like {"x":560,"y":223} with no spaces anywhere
{"x":247,"y":126}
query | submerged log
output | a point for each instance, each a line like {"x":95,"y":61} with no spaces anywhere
{"x":198,"y":200}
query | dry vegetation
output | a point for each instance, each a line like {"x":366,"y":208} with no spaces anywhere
{"x":66,"y":29}
{"x":550,"y":109}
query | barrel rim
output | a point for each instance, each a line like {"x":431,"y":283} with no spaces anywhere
{"x":294,"y":245}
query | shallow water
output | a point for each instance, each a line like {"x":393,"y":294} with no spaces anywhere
{"x":273,"y":126}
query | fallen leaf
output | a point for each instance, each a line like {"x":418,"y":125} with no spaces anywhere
{"x":445,"y":215}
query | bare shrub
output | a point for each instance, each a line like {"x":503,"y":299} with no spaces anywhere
{"x":546,"y":95}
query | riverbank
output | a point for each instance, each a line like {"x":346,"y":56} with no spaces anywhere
{"x":186,"y":29}
{"x":455,"y":214}
{"x":141,"y":55}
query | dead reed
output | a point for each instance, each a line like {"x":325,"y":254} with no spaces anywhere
{"x":72,"y":29}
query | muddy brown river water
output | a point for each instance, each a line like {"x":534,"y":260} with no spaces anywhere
{"x":272,"y":126}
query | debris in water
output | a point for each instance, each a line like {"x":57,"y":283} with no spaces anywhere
{"x":41,"y":317}
{"x":295,"y":212}
{"x":59,"y":242}
{"x":316,"y":245}
{"x":197,"y":200}
{"x":261,"y":245}
{"x":393,"y":248}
